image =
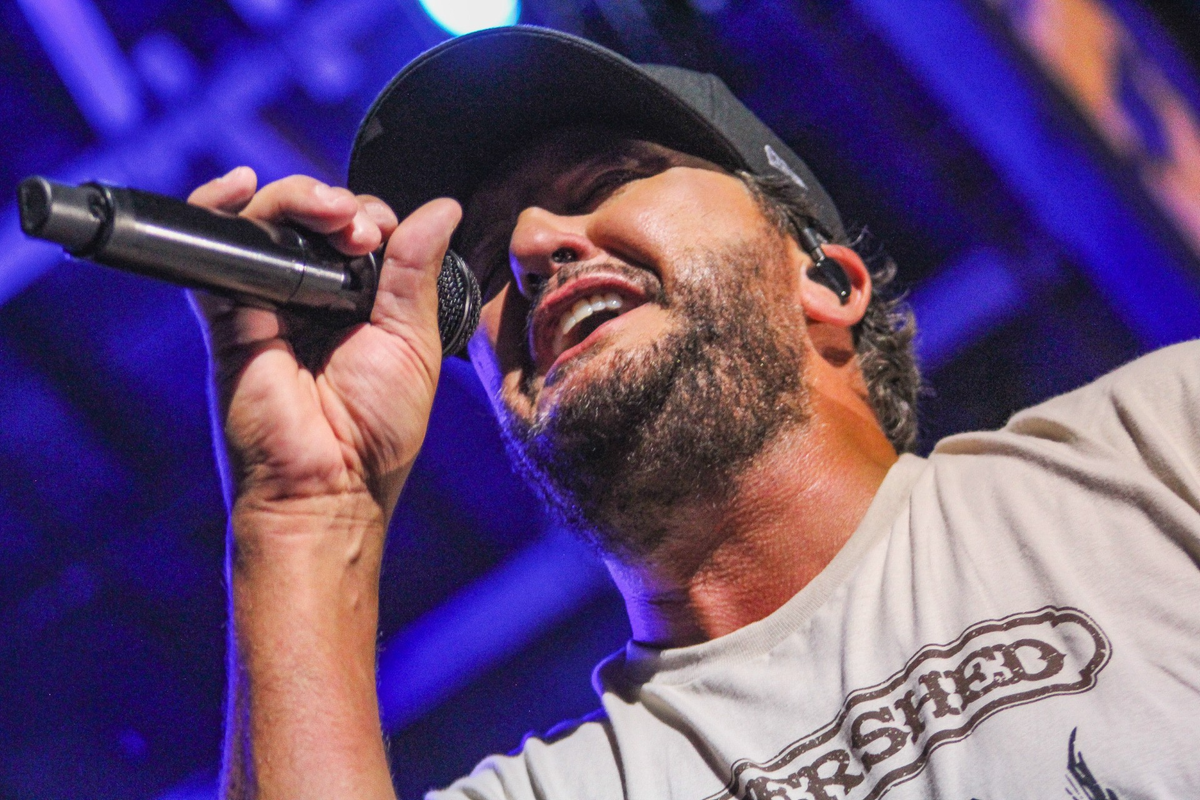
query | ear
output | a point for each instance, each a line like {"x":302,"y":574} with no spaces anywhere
{"x":821,"y":304}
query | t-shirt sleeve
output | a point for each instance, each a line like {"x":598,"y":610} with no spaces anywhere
{"x":495,"y":778}
{"x":1145,"y":412}
{"x":575,"y":760}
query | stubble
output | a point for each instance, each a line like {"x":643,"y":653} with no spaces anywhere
{"x":672,"y":424}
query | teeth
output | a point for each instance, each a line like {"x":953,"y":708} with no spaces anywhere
{"x":586,"y":307}
{"x":582,"y":310}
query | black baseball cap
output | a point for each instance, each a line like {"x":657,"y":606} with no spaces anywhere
{"x":458,"y":110}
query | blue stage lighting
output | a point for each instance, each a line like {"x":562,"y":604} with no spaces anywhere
{"x":463,"y":16}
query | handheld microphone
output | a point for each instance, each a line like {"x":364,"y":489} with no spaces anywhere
{"x":248,"y":260}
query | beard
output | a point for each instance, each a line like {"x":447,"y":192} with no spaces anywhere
{"x":672,"y":424}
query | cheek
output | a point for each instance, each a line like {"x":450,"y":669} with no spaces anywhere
{"x":499,"y":353}
{"x":503,"y":387}
{"x":489,"y":318}
{"x":672,"y":215}
{"x":502,"y":324}
{"x":515,"y":400}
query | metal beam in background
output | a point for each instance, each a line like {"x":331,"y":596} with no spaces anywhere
{"x":968,"y":299}
{"x":1132,"y":86}
{"x":221,"y":122}
{"x":90,"y":62}
{"x":484,"y":624}
{"x":1148,"y":283}
{"x":547,"y":582}
{"x":265,"y":14}
{"x":506,"y":609}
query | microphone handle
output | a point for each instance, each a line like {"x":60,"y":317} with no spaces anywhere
{"x":249,"y":260}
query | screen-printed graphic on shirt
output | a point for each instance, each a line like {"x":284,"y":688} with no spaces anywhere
{"x":1081,"y":783}
{"x":884,"y":734}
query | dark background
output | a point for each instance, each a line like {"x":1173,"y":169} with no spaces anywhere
{"x":1036,"y":257}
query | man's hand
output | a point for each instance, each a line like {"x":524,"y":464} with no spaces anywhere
{"x":321,"y":428}
{"x":312,"y":414}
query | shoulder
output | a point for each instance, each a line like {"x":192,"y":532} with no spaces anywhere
{"x":1139,"y":405}
{"x":1136,"y":425}
{"x":1144,"y":409}
{"x":574,"y":759}
{"x":1163,"y":381}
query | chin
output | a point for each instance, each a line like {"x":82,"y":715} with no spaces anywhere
{"x":580,"y":374}
{"x":656,"y":417}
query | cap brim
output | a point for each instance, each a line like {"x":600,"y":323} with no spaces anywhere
{"x":453,"y":114}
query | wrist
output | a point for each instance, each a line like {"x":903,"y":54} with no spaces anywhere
{"x":304,"y":588}
{"x":341,"y":492}
{"x":327,"y":535}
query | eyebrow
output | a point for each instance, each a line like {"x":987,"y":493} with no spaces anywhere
{"x":628,"y":155}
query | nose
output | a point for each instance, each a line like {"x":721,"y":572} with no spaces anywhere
{"x":542,"y":242}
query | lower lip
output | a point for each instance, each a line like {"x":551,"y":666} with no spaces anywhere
{"x":592,"y":339}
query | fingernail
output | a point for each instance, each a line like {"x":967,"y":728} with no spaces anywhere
{"x":362,"y":229}
{"x":232,"y":173}
{"x":379,"y":213}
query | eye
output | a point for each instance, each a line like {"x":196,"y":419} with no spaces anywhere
{"x":602,"y":186}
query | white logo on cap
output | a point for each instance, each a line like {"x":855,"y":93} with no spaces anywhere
{"x":374,"y":129}
{"x":776,"y":161}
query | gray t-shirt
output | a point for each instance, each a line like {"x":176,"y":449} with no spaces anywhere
{"x":1017,"y":616}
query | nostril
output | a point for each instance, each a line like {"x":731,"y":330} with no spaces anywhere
{"x":564,"y":255}
{"x":534,"y":283}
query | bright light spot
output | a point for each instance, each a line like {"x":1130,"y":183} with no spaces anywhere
{"x":463,"y":16}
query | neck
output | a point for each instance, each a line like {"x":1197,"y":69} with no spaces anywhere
{"x":725,"y":565}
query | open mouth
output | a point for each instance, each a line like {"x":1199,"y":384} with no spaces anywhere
{"x":568,"y":316}
{"x":585,"y":317}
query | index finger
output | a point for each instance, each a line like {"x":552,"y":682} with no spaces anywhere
{"x":231,"y":192}
{"x":304,"y":201}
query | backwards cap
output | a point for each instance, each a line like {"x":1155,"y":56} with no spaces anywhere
{"x":457,"y":111}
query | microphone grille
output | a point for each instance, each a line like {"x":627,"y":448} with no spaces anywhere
{"x":459,"y":304}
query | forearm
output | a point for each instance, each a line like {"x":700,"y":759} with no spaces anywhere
{"x":320,"y":429}
{"x":303,"y":716}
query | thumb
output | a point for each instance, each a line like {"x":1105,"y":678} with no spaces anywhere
{"x":406,"y":300}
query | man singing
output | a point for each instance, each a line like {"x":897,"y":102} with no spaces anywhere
{"x":698,"y":373}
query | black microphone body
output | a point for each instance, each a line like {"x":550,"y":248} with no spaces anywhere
{"x":248,"y":260}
